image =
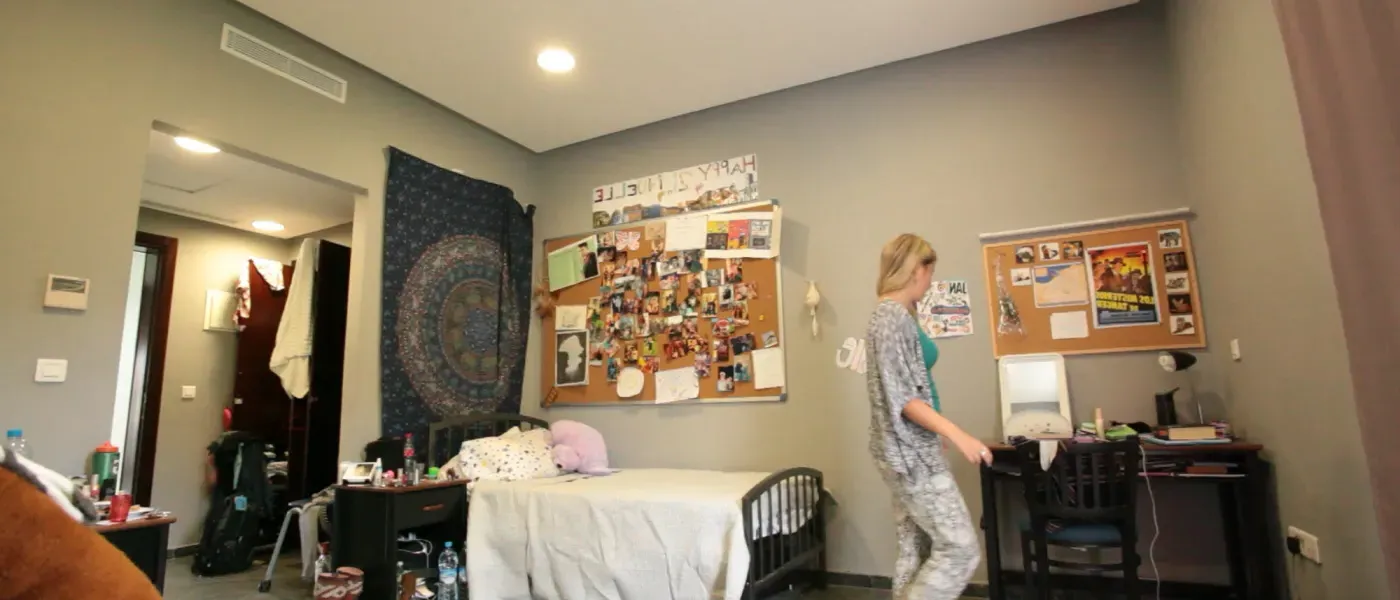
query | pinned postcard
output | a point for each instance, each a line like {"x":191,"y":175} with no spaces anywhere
{"x":675,"y":385}
{"x":1178,"y":283}
{"x":746,"y":234}
{"x":1169,"y":239}
{"x":946,"y":310}
{"x":1021,"y":277}
{"x":1183,"y":325}
{"x":1069,"y":325}
{"x":768,"y":369}
{"x":571,"y":317}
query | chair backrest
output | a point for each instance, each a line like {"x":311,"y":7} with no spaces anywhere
{"x":445,"y":437}
{"x":1086,"y":482}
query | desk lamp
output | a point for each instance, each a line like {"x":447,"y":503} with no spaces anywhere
{"x":1173,"y":361}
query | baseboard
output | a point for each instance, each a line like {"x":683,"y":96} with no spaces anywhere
{"x":181,"y":551}
{"x":858,"y":580}
{"x":1060,"y":581}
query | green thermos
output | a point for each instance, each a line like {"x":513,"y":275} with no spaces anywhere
{"x":106,"y":461}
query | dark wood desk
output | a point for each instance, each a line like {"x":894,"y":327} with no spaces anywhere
{"x":368,"y":521}
{"x":144,"y":541}
{"x":1243,"y":506}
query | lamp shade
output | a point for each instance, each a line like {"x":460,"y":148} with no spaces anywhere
{"x":1173,"y":361}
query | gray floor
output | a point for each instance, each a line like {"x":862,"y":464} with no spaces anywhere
{"x":286,"y":585}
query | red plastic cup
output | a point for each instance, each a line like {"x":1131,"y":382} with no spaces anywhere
{"x":121,"y":505}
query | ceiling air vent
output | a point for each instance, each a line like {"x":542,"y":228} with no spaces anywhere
{"x":185,"y":212}
{"x":274,"y":59}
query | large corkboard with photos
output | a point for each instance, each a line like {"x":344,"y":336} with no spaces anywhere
{"x":1112,"y":290}
{"x":630,"y":302}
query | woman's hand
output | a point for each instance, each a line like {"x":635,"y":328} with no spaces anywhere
{"x":972,"y":449}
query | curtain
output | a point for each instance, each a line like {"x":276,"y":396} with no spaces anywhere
{"x":1345,"y":59}
{"x":456,"y":300}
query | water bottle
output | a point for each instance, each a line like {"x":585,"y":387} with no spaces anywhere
{"x":14,"y":442}
{"x":447,"y":573}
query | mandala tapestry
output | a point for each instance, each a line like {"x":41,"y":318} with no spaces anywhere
{"x":456,"y":304}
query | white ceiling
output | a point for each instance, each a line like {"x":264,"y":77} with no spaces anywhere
{"x":234,"y":191}
{"x":639,"y":61}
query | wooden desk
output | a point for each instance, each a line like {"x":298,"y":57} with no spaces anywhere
{"x":368,"y":520}
{"x":1243,"y":507}
{"x":144,"y":541}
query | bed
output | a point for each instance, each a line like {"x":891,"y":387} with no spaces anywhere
{"x":639,"y":533}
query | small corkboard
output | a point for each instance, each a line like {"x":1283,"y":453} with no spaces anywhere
{"x":764,"y":319}
{"x":1098,"y":275}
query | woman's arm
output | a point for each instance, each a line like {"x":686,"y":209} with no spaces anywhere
{"x":924,"y":415}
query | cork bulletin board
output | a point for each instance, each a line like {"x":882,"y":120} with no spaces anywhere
{"x":1117,"y":289}
{"x":655,"y":326}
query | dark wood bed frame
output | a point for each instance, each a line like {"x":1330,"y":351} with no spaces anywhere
{"x":775,"y":562}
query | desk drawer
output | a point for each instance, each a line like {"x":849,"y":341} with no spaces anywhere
{"x":416,"y":509}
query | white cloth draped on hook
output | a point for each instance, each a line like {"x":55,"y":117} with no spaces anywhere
{"x":271,"y":272}
{"x":291,"y":354}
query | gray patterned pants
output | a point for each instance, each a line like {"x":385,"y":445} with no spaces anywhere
{"x":938,"y":549}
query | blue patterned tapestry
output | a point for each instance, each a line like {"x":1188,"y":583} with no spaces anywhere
{"x":457,"y":255}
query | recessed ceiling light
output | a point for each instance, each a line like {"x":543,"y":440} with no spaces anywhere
{"x":268,"y":226}
{"x":196,"y":146}
{"x":556,"y":60}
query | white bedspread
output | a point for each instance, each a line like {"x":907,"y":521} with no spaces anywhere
{"x":639,"y":534}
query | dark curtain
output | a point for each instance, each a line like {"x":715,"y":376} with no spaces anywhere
{"x":456,"y":304}
{"x":1345,"y":58}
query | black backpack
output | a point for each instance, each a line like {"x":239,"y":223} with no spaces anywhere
{"x":240,"y":502}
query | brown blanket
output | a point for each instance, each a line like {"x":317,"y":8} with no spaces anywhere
{"x":46,"y":555}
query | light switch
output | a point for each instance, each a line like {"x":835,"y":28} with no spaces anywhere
{"x":51,"y":370}
{"x":187,"y":392}
{"x":1235,"y":349}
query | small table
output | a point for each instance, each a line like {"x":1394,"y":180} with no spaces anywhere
{"x":368,"y":520}
{"x":144,"y":541}
{"x":1243,"y":505}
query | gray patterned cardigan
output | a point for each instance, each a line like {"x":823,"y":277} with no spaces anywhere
{"x":894,"y":377}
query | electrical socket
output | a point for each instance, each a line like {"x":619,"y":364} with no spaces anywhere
{"x":1308,"y":546}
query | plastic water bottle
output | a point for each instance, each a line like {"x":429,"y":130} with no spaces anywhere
{"x":447,"y":573}
{"x":14,"y":442}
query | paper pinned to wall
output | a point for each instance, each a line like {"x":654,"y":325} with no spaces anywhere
{"x":686,"y":232}
{"x":571,"y":317}
{"x":1069,"y":325}
{"x":675,"y":385}
{"x":768,"y":369}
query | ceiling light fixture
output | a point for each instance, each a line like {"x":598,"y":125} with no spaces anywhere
{"x":556,"y":60}
{"x":196,"y":146}
{"x":268,"y":226}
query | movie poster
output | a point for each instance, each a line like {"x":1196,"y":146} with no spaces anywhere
{"x":1125,"y":292}
{"x":946,"y":310}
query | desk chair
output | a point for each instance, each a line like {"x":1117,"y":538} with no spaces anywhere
{"x":1085,"y":500}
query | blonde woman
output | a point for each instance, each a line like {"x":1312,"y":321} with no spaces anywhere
{"x":938,"y":548}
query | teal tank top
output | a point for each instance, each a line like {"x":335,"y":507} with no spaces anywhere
{"x":930,"y":351}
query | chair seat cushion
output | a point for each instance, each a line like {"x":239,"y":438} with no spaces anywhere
{"x":1088,"y":534}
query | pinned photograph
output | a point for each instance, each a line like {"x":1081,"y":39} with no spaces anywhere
{"x":655,"y":230}
{"x":573,"y":264}
{"x":649,"y":347}
{"x":668,"y":302}
{"x":734,"y":270}
{"x":721,"y":350}
{"x":694,"y":260}
{"x":1169,"y":239}
{"x":770,"y":339}
{"x":670,"y":265}
{"x":722,"y":327}
{"x":716,"y":235}
{"x":1178,"y":283}
{"x":726,"y":297}
{"x":570,"y":358}
{"x":1021,"y":276}
{"x":612,"y":369}
{"x":714,"y":277}
{"x":741,"y":313}
{"x":653,"y":303}
{"x":695,"y":281}
{"x":670,"y":281}
{"x":709,"y":304}
{"x":1050,"y":251}
{"x":1183,"y":325}
{"x":745,"y":291}
{"x":742,"y":343}
{"x":702,"y":363}
{"x":761,"y":234}
{"x":650,"y":364}
{"x":629,"y":241}
{"x":1072,"y":250}
{"x":607,"y":238}
{"x":725,"y":383}
{"x":1179,"y":304}
{"x":596,"y":353}
{"x":691,"y":308}
{"x":627,"y":327}
{"x":743,"y":369}
{"x":1175,"y":262}
{"x":1025,"y":254}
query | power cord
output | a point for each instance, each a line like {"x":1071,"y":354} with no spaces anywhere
{"x":1156,"y":528}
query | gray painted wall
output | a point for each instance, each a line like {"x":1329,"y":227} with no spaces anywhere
{"x":1264,"y":264}
{"x":75,"y":115}
{"x":1064,"y":123}
{"x":210,"y":257}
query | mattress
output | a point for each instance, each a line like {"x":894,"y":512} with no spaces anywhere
{"x":638,"y":533}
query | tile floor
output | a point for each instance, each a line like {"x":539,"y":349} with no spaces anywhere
{"x":180,"y":584}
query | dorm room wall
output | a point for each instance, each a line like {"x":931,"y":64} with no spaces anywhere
{"x":77,"y":153}
{"x":1063,"y":123}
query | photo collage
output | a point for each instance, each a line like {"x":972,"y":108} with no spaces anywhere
{"x":657,"y":310}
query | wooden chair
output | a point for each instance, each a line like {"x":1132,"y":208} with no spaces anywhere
{"x":1086,"y":500}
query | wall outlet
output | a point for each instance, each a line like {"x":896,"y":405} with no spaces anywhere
{"x":1307,"y":544}
{"x":187,"y":392}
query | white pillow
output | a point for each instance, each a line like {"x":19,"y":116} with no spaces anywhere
{"x":514,"y":456}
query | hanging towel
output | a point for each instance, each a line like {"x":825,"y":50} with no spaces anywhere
{"x":291,"y":356}
{"x":271,"y":272}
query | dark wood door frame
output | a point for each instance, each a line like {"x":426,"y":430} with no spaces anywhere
{"x":157,"y":289}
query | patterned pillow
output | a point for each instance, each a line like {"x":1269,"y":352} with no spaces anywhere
{"x":511,"y":457}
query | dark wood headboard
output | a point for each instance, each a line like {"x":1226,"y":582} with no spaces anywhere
{"x":445,"y":437}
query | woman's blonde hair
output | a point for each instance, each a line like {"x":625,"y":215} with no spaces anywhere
{"x":900,"y":259}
